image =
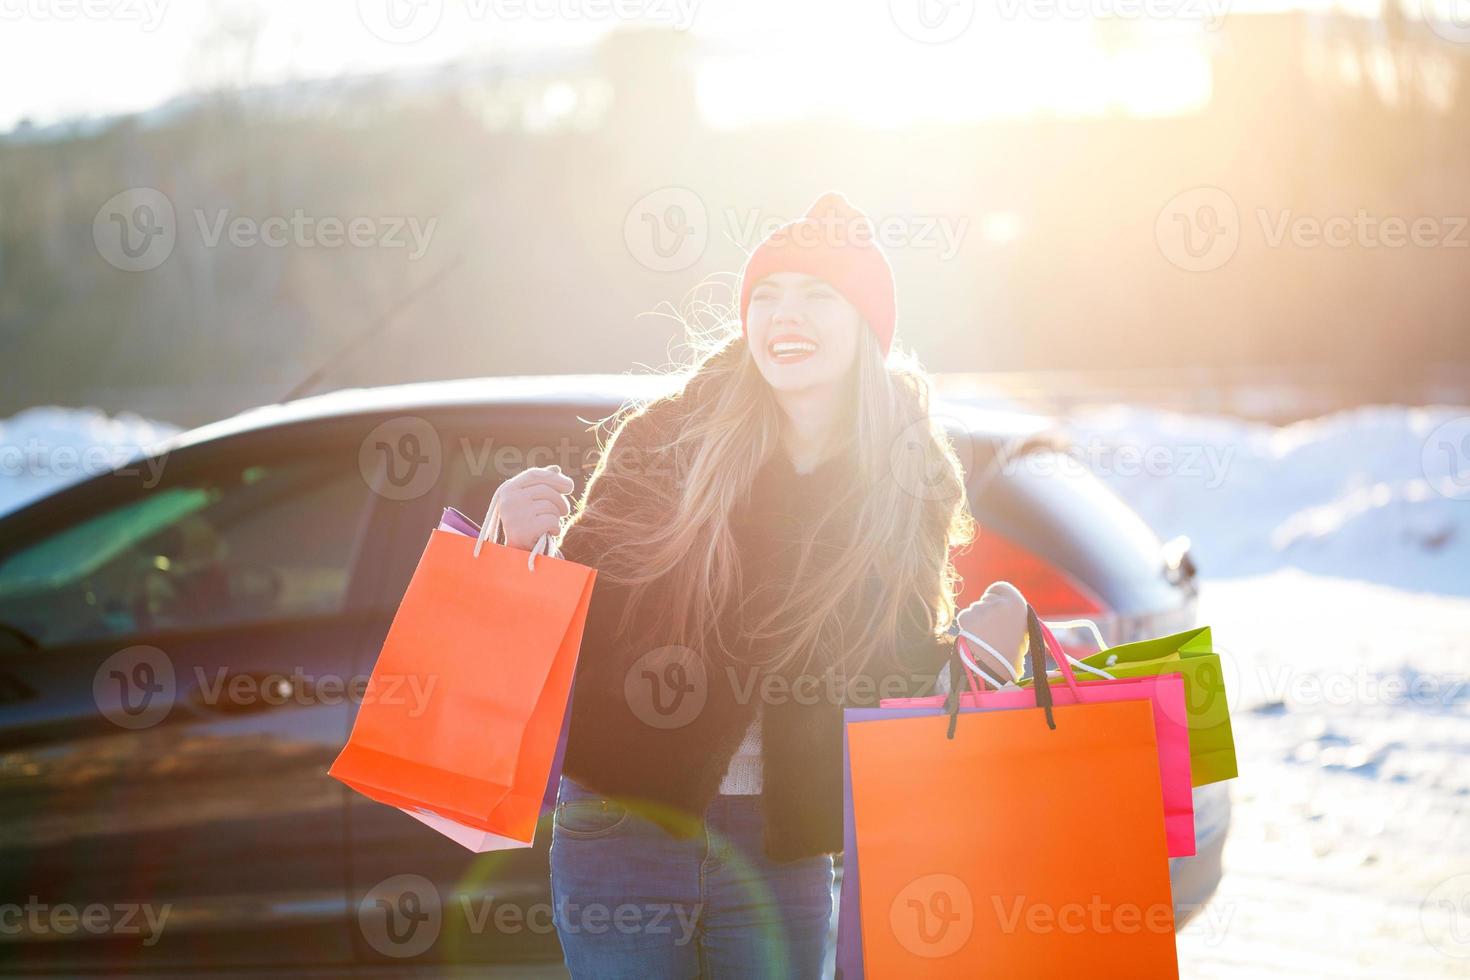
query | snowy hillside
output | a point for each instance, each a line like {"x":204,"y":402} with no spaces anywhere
{"x":44,"y":449}
{"x":1378,"y":493}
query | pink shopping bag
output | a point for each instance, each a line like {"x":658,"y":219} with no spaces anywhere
{"x":1171,"y":725}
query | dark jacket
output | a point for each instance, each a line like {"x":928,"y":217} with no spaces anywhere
{"x":655,"y":726}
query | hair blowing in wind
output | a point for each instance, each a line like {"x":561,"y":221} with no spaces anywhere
{"x":681,"y":483}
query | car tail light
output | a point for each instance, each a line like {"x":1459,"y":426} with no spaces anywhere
{"x":1055,"y":594}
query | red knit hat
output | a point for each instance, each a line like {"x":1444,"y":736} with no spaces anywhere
{"x":834,"y":241}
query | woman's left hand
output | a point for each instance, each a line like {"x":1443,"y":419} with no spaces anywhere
{"x":999,"y":618}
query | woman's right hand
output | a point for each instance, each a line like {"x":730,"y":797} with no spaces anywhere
{"x":532,"y":503}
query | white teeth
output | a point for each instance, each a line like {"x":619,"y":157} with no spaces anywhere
{"x":792,"y":347}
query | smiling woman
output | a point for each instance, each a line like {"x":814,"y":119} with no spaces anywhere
{"x":783,"y":523}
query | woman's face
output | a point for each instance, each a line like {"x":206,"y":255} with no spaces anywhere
{"x":802,"y":332}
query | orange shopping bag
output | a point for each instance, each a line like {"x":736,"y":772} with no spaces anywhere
{"x":1014,"y":849}
{"x":492,"y":633}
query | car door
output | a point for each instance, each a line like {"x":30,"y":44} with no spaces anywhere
{"x":176,"y":676}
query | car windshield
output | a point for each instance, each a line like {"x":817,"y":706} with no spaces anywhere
{"x":82,"y":550}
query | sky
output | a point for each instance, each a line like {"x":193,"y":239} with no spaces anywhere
{"x":62,"y":59}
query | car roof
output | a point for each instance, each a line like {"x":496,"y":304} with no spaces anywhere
{"x":601,"y":394}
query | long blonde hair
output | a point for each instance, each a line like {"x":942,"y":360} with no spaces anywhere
{"x":898,"y":519}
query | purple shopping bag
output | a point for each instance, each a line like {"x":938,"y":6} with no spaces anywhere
{"x":849,"y":910}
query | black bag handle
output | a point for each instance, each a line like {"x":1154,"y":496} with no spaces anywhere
{"x":1036,"y":650}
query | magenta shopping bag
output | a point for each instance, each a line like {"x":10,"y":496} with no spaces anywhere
{"x":1171,"y":726}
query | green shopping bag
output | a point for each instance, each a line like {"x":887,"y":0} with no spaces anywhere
{"x":1192,"y":654}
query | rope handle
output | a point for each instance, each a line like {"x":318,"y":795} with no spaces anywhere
{"x":491,"y":527}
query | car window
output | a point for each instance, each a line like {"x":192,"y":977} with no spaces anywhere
{"x":248,"y":543}
{"x":472,"y":476}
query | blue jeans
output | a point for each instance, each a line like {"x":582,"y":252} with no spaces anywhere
{"x":631,"y":901}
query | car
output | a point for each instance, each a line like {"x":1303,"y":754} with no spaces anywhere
{"x":184,"y":643}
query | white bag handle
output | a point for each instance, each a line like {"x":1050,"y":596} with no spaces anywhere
{"x":490,"y":531}
{"x":1091,"y":627}
{"x":1015,"y":674}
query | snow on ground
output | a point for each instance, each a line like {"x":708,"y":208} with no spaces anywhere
{"x":44,"y":449}
{"x":1379,"y":493}
{"x":1335,"y":554}
{"x":1349,"y":851}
